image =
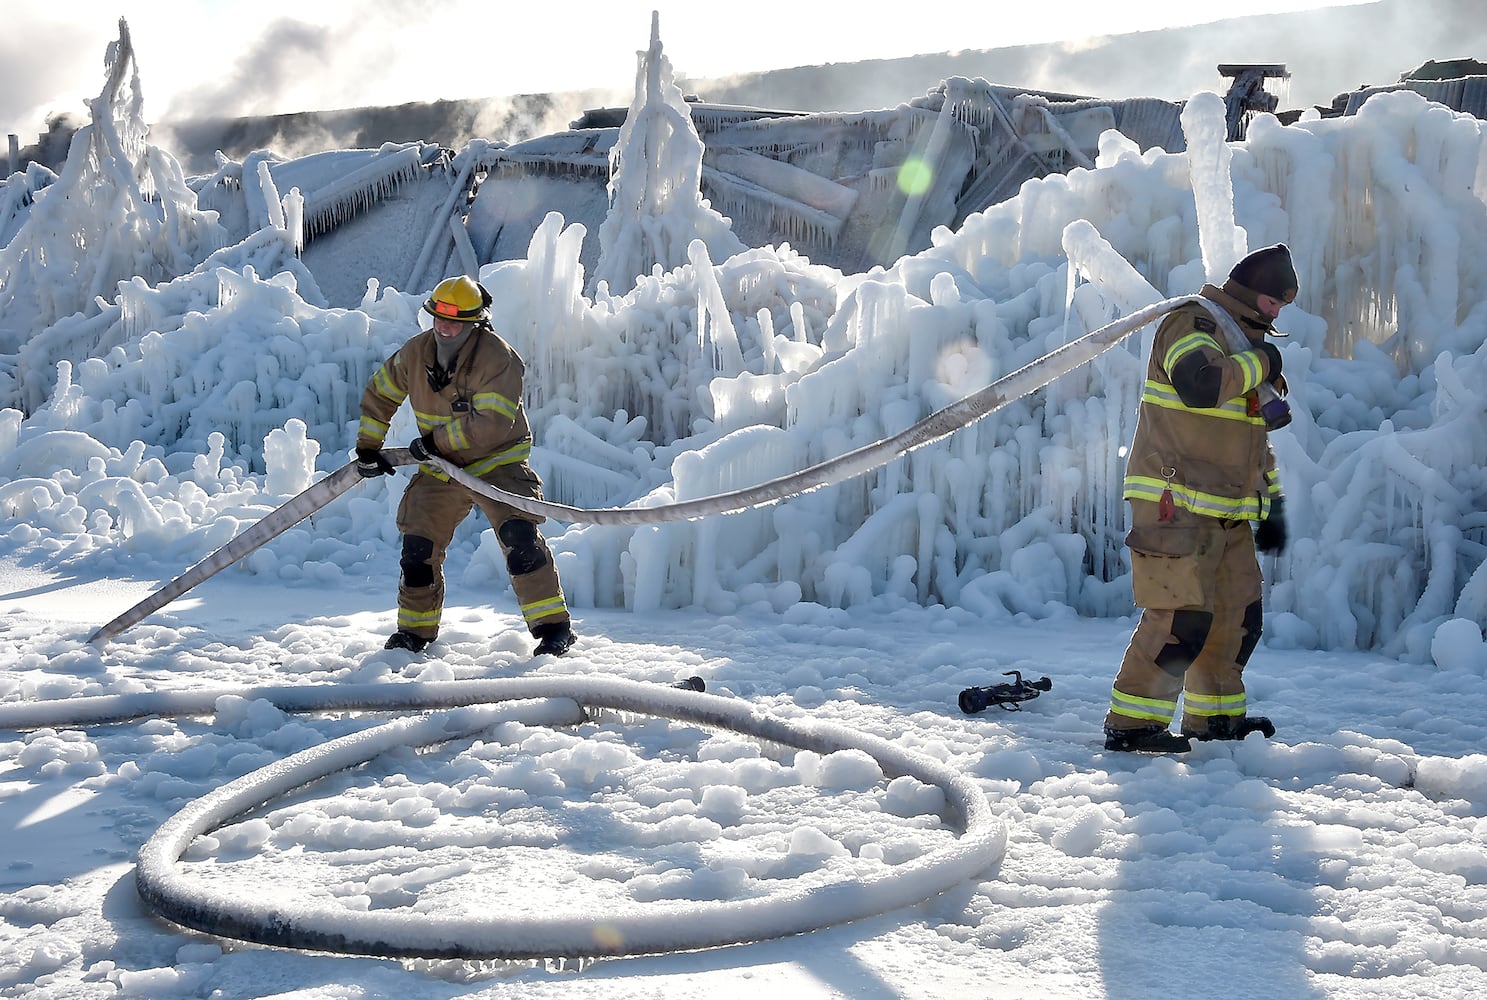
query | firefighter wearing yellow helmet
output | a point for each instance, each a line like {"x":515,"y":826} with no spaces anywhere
{"x":465,"y":385}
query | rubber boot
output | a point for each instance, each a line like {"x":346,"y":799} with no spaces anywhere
{"x":402,"y":639}
{"x":1235,"y":727}
{"x":1154,"y":739}
{"x":554,"y":639}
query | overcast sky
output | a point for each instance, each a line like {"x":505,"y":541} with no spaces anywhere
{"x":202,"y":58}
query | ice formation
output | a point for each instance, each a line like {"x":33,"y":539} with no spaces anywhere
{"x":697,"y":366}
{"x":120,"y":210}
{"x":656,"y":208}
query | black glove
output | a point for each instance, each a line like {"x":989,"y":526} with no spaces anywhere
{"x":1272,"y":354}
{"x":1270,"y":534}
{"x":422,"y":448}
{"x":371,"y":463}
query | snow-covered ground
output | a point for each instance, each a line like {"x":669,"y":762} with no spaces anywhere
{"x":163,"y":393}
{"x":1343,"y":859}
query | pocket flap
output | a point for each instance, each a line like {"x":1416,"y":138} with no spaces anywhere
{"x":1163,"y":540}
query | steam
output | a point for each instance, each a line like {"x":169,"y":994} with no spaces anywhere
{"x":286,"y":52}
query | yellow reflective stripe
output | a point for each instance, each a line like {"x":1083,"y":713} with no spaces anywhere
{"x":511,"y":456}
{"x":1145,"y":488}
{"x":1163,"y":395}
{"x":1183,"y":346}
{"x":1209,"y":705}
{"x":487,"y":402}
{"x":458,"y":440}
{"x":544,"y":609}
{"x":1208,"y":504}
{"x":370,"y":428}
{"x":385,"y":387}
{"x":1249,"y":363}
{"x":412,"y":620}
{"x":453,"y":427}
{"x":1133,"y":707}
{"x":494,"y":402}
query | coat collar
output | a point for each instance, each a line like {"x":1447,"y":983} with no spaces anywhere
{"x":1253,"y":322}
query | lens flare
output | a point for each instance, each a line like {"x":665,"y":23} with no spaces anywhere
{"x":915,"y":176}
{"x":607,"y":938}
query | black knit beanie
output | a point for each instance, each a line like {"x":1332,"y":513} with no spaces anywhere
{"x":1267,"y":272}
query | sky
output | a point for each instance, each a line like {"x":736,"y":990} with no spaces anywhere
{"x":828,"y":771}
{"x":282,"y":57}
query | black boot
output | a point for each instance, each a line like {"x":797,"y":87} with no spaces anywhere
{"x":1235,"y":727}
{"x":403,"y":639}
{"x":1153,"y":739}
{"x":553,"y":639}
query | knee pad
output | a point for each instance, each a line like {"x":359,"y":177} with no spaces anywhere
{"x":1254,"y":619}
{"x":524,"y":553}
{"x":1189,"y":633}
{"x":417,"y":551}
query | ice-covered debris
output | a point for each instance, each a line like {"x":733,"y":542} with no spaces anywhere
{"x":17,"y":192}
{"x":656,"y":206}
{"x":120,"y":209}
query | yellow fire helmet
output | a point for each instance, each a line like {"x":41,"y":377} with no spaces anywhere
{"x":460,"y":298}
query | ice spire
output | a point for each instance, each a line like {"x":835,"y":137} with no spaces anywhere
{"x":1222,"y":241}
{"x":656,"y":207}
{"x":120,"y":209}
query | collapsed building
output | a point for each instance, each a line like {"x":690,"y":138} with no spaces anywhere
{"x":850,"y":190}
{"x":1459,"y":84}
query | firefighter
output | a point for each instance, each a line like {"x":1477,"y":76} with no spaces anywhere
{"x":1201,"y":475}
{"x":464,"y":384}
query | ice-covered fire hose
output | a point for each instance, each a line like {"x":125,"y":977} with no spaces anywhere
{"x":937,"y":425}
{"x":283,"y":919}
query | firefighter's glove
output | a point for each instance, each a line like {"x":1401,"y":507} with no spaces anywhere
{"x":1270,"y":534}
{"x":1272,"y":356}
{"x":422,"y":448}
{"x":371,"y":463}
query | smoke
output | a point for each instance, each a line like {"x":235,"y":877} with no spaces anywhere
{"x":50,"y":148}
{"x":446,"y":123}
{"x":528,"y":116}
{"x":273,"y":63}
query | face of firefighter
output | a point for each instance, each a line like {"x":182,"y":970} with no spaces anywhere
{"x":1270,"y":306}
{"x":449,"y":329}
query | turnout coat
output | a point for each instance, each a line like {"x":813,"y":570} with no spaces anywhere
{"x":475,"y":420}
{"x":1216,"y":459}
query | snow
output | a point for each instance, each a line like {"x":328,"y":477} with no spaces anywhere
{"x":160,"y":391}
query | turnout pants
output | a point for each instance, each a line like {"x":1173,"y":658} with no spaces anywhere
{"x":1197,"y":580}
{"x":429,"y":512}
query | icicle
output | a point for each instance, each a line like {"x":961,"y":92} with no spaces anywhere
{"x":294,"y":218}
